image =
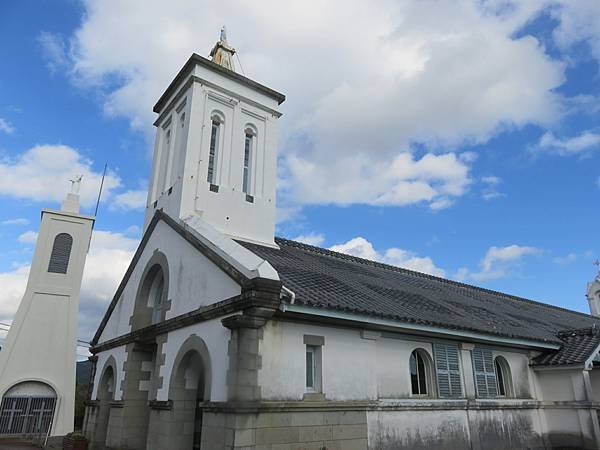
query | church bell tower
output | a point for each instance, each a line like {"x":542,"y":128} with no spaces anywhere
{"x":215,"y":154}
{"x":37,"y":361}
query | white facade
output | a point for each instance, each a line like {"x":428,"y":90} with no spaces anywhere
{"x":40,"y":348}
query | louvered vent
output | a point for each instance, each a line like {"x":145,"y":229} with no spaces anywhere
{"x":447,"y":368}
{"x":61,"y":252}
{"x":485,"y":373}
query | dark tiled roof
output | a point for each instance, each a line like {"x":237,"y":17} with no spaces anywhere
{"x":578,"y":346}
{"x":330,"y":280}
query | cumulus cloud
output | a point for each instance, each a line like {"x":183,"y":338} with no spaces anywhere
{"x":316,"y":239}
{"x":108,"y":259}
{"x":29,"y":237}
{"x":422,"y":77}
{"x":362,"y":248}
{"x":578,"y":23}
{"x":16,"y":221}
{"x":6,"y":127}
{"x":42,"y":173}
{"x":130,"y":200}
{"x":54,"y":49}
{"x":498,"y":262}
{"x":577,"y":145}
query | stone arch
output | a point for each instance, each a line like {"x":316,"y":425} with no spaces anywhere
{"x":189,"y":387}
{"x":105,"y":394}
{"x":146,"y":309}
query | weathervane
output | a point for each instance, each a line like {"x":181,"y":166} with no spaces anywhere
{"x":76,"y":184}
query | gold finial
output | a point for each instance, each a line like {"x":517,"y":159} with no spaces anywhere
{"x":222,"y":53}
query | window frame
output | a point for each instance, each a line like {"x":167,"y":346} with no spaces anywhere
{"x":427,"y":376}
{"x":214,"y":148}
{"x":249,"y":140}
{"x":501,"y":363}
{"x":314,"y":346}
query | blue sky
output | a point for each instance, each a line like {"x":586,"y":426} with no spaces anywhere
{"x":458,"y":138}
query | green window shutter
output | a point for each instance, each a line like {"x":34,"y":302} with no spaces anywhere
{"x":447,"y":366}
{"x":485,"y":375}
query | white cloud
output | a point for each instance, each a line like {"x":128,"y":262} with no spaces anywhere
{"x":498,"y":262}
{"x":565,"y":260}
{"x":433,"y":179}
{"x":54,"y":49}
{"x":107,"y":261}
{"x":576,"y":145}
{"x":362,"y":248}
{"x":578,"y":22}
{"x":315,"y":239}
{"x":439,"y":76}
{"x":130,"y":200}
{"x":6,"y":126}
{"x":29,"y":237}
{"x":490,"y":190}
{"x":16,"y":221}
{"x":42,"y":173}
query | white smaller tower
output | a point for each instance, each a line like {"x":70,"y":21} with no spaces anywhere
{"x":593,"y":294}
{"x":37,"y":362}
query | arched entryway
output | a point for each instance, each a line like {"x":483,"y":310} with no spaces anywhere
{"x":27,"y":408}
{"x":188,"y":389}
{"x":105,"y":395}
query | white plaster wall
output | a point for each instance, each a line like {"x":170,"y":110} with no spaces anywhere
{"x":194,"y":281}
{"x":355,"y":368}
{"x":348,"y":362}
{"x":216,"y":337}
{"x":559,"y":385}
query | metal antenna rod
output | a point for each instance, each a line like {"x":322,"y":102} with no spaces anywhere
{"x":100,"y":191}
{"x":241,"y":67}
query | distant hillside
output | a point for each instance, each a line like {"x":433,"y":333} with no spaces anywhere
{"x":84,"y":370}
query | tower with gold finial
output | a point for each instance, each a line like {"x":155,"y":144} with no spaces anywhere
{"x":215,"y":154}
{"x":37,"y":361}
{"x":222,"y":53}
{"x":593,"y":293}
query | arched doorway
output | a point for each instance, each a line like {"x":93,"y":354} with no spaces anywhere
{"x":189,"y":388}
{"x":106,"y":389}
{"x":27,"y":408}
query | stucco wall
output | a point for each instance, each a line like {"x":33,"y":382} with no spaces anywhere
{"x":194,"y":281}
{"x":360,"y":365}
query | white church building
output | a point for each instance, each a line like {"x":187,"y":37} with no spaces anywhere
{"x":222,"y":336}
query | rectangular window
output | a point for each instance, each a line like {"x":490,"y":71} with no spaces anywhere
{"x":212,"y":153}
{"x":313,"y":368}
{"x":447,"y":367}
{"x":247,"y":163}
{"x":485,"y":373}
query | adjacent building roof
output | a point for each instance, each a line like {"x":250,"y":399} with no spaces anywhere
{"x":329,"y":280}
{"x":578,"y":346}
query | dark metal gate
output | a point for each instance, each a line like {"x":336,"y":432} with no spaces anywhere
{"x":26,"y":415}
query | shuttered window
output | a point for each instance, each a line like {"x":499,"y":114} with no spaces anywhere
{"x":61,"y":252}
{"x":485,"y":373}
{"x":447,"y":366}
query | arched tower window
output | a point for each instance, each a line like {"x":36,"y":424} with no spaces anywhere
{"x":420,"y":373}
{"x":61,"y":252}
{"x":157,"y":297}
{"x":503,"y":377}
{"x":217,"y":121}
{"x":249,"y":143}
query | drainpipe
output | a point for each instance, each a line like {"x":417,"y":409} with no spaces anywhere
{"x":290,"y":294}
